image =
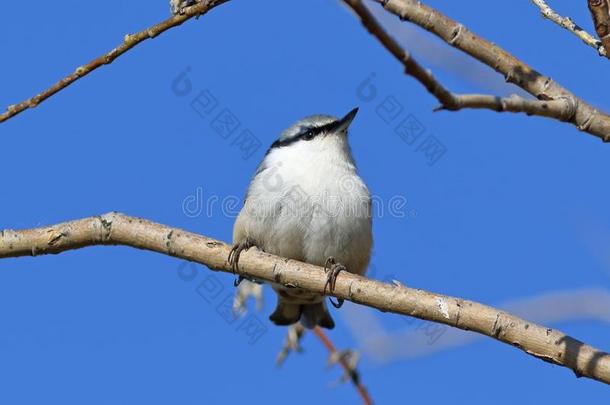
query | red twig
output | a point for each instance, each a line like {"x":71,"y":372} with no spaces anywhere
{"x":349,"y":370}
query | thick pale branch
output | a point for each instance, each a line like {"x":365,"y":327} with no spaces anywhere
{"x":585,"y":117}
{"x":116,"y":229}
{"x":129,"y":42}
{"x":568,"y":24}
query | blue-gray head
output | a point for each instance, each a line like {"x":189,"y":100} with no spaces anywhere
{"x":314,"y":126}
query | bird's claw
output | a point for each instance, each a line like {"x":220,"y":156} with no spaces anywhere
{"x":332,"y":269}
{"x":234,"y":255}
{"x":337,"y":304}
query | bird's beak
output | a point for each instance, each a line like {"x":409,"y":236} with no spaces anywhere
{"x":344,"y":122}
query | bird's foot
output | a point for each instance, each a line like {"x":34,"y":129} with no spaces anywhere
{"x":233,"y":258}
{"x":332,"y":269}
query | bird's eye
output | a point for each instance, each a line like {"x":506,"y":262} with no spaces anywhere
{"x":308,"y":135}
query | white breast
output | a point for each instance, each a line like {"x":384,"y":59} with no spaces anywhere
{"x":308,"y":203}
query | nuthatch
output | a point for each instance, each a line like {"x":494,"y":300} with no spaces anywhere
{"x":306,"y":202}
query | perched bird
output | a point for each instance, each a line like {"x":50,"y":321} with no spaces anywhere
{"x":306,"y":202}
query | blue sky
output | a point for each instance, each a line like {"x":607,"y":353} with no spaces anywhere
{"x":514,"y":207}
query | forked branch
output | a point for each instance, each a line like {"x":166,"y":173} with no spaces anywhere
{"x":552,"y":100}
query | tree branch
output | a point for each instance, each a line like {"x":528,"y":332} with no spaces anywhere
{"x":600,"y":12}
{"x":347,"y":359}
{"x":560,"y":109}
{"x":575,"y":110}
{"x":570,"y":25}
{"x":544,"y":343}
{"x":129,"y":42}
{"x":349,"y":369}
{"x":412,"y":67}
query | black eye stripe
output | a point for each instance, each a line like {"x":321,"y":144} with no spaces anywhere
{"x":306,"y":134}
{"x":310,"y":133}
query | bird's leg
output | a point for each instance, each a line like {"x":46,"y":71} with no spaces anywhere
{"x":234,"y":257}
{"x":332,"y":269}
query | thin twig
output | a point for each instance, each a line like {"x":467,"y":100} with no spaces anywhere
{"x":560,"y":109}
{"x":292,"y":343}
{"x":349,"y":370}
{"x":570,"y":25}
{"x":412,"y":67}
{"x":129,"y":42}
{"x":544,"y":343}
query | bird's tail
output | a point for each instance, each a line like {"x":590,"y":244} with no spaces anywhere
{"x":311,"y":315}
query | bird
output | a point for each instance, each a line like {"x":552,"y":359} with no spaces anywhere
{"x":307,"y":202}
